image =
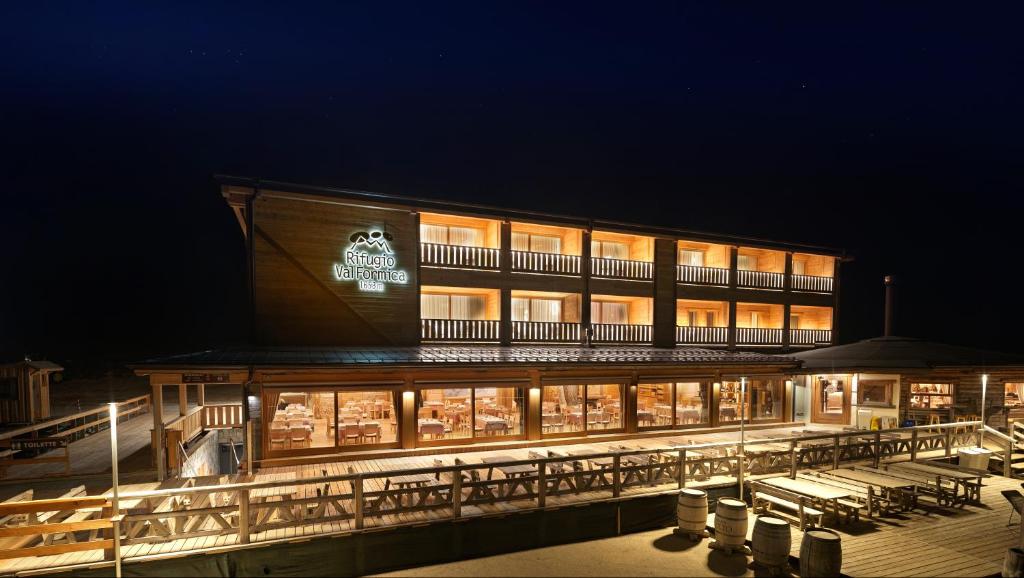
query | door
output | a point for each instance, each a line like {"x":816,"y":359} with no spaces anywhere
{"x":830,"y":399}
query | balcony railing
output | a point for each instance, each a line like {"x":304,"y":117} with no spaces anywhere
{"x":621,"y":269}
{"x":459,"y":256}
{"x":759,"y":279}
{"x":811,"y":283}
{"x":621,"y":333}
{"x":810,"y":336}
{"x":702,"y":275}
{"x":545,"y":331}
{"x":459,"y":329}
{"x":531,"y":262}
{"x":690,"y":335}
{"x":758,"y":336}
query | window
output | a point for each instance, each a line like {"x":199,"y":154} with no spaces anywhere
{"x":452,"y":306}
{"x":655,"y":404}
{"x":931,"y":395}
{"x":329,"y":418}
{"x":536,"y":243}
{"x":1014,"y":393}
{"x":691,"y":257}
{"x":799,"y":267}
{"x":711,"y":318}
{"x":451,"y":235}
{"x":746,"y":262}
{"x":609,"y":250}
{"x":499,"y":411}
{"x":692,"y":317}
{"x":609,"y":313}
{"x":469,"y":412}
{"x":763,"y":401}
{"x":580,"y":409}
{"x":755,"y":319}
{"x":794,"y":322}
{"x":692,"y":403}
{"x":831,"y":393}
{"x":874,"y":393}
{"x":536,"y":310}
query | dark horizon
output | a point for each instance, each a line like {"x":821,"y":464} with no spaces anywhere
{"x":887,"y":131}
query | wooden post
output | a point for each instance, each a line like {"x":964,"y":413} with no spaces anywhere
{"x":835,"y":452}
{"x":357,"y":497}
{"x":913,"y":445}
{"x":682,"y":468}
{"x":408,"y":429}
{"x":158,"y":438}
{"x":741,"y":463}
{"x":248,"y":447}
{"x":116,"y":520}
{"x":792,"y":459}
{"x":542,"y":484}
{"x":201,"y":394}
{"x":182,"y":399}
{"x":616,"y":479}
{"x":1007,"y":457}
{"x":878,"y":448}
{"x":949,"y":450}
{"x":457,"y":493}
{"x":243,"y":516}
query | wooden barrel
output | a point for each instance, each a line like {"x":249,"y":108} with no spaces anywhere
{"x":692,"y":511}
{"x":771,"y":541}
{"x":731,"y":523}
{"x":821,"y":553}
{"x":1013,"y":563}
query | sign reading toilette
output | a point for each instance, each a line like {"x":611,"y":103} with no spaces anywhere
{"x":370,"y":262}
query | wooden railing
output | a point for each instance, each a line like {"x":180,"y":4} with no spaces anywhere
{"x":702,"y":275}
{"x":758,"y":336}
{"x":81,"y":424}
{"x":459,"y":329}
{"x":528,"y":261}
{"x":47,"y":527}
{"x":690,"y":335}
{"x":621,"y":269}
{"x":459,"y":256}
{"x":810,"y":283}
{"x":190,"y":424}
{"x":222,"y":416}
{"x":809,"y":336}
{"x":759,"y":279}
{"x":249,"y":509}
{"x":534,"y":331}
{"x":616,"y":333}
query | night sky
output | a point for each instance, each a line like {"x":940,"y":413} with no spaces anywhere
{"x":890,"y":130}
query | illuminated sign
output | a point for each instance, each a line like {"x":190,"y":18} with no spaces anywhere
{"x":370,"y":262}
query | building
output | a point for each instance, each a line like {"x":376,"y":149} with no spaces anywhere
{"x":389,"y":322}
{"x":25,"y":391}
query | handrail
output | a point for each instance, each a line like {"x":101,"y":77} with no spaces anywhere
{"x":59,"y":420}
{"x":997,"y":433}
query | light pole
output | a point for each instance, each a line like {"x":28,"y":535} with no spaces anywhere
{"x":984,"y":392}
{"x":743,"y":401}
{"x":114,"y":506}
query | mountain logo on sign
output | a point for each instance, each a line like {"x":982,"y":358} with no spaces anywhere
{"x":373,"y":239}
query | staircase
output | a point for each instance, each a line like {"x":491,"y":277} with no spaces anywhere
{"x":1003,"y":445}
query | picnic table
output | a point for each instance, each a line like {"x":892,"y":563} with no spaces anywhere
{"x":425,"y":483}
{"x":825,"y":495}
{"x":284,"y":493}
{"x":517,"y":474}
{"x":969,"y":481}
{"x":894,"y":489}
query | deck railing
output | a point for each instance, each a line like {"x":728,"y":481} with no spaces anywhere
{"x":691,"y":335}
{"x":809,"y":336}
{"x":474,"y":330}
{"x":811,"y":283}
{"x":459,"y":256}
{"x":530,"y":262}
{"x":222,"y":416}
{"x":702,"y":275}
{"x":537,"y":331}
{"x":758,"y":336}
{"x":340,"y":504}
{"x":621,"y":269}
{"x":759,"y":279}
{"x":621,"y":333}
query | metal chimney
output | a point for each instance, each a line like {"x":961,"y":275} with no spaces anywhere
{"x":890,"y":297}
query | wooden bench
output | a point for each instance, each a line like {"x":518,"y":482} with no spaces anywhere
{"x":764,"y":497}
{"x":864,"y":495}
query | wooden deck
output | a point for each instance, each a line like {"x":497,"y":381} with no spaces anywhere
{"x":967,"y":541}
{"x":318,"y":503}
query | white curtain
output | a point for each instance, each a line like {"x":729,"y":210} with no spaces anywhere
{"x":746,"y":263}
{"x":520,"y":241}
{"x":546,"y":310}
{"x":609,"y":250}
{"x":434,"y":307}
{"x":520,"y":309}
{"x":465,"y":236}
{"x":691,"y":257}
{"x":437,"y":234}
{"x":467,"y":307}
{"x":545,"y":244}
{"x":798,"y":267}
{"x":611,"y":313}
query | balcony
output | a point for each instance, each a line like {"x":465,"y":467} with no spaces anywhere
{"x":545,"y":332}
{"x":759,"y":280}
{"x":466,"y":330}
{"x":696,"y":335}
{"x":531,"y":262}
{"x":433,"y":254}
{"x":811,"y":284}
{"x":810,"y":336}
{"x":621,"y":269}
{"x":621,"y":256}
{"x":620,"y":333}
{"x":702,"y":275}
{"x":758,"y":336}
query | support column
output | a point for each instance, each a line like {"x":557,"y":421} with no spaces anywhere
{"x":201,"y":394}
{"x":585,"y":321}
{"x":716,"y":399}
{"x":787,"y":279}
{"x":629,"y":407}
{"x":157,"y":436}
{"x":505,"y":263}
{"x":533,"y":408}
{"x":787,"y":394}
{"x":182,"y":399}
{"x":731,"y":334}
{"x":664,"y":293}
{"x":407,"y":427}
{"x":786,"y":311}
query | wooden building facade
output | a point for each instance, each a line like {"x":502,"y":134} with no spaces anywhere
{"x":25,"y":391}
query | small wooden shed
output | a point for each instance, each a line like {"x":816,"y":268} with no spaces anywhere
{"x":25,"y":391}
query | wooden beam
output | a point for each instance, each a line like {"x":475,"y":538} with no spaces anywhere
{"x":183,"y":399}
{"x":201,"y":394}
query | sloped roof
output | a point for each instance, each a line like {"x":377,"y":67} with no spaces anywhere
{"x":902,"y":353}
{"x":459,"y":355}
{"x":40,"y":365}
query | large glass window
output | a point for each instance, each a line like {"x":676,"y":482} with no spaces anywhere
{"x":764,"y":401}
{"x":536,"y":310}
{"x":609,"y":312}
{"x":692,"y":401}
{"x":326,"y":418}
{"x":831,"y":394}
{"x":604,"y":406}
{"x":931,"y":395}
{"x":581,"y":408}
{"x":536,"y":243}
{"x":449,"y":413}
{"x":1014,"y":394}
{"x":663,"y":405}
{"x":609,"y":250}
{"x":451,"y":235}
{"x":654,"y":405}
{"x":438,"y":306}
